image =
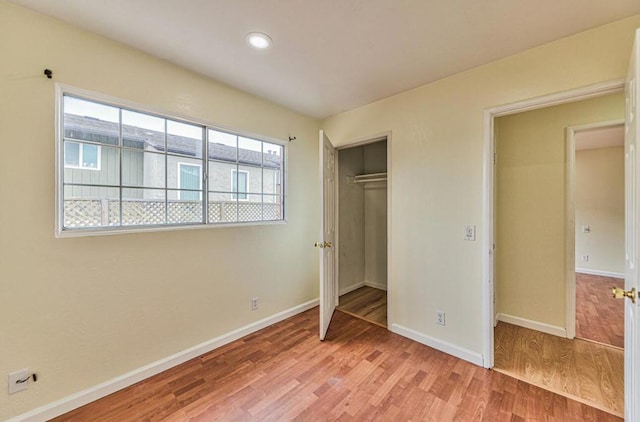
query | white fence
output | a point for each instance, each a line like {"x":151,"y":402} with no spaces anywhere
{"x":106,"y":212}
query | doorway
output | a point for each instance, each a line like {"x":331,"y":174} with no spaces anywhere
{"x":598,"y":190}
{"x":535,"y":260}
{"x":362,"y":231}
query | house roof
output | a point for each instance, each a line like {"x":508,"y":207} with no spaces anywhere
{"x":107,"y":133}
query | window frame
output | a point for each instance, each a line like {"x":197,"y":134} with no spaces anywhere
{"x":61,"y":231}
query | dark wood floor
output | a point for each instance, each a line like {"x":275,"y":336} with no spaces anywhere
{"x":360,"y":372}
{"x":367,"y":303}
{"x":599,"y":317}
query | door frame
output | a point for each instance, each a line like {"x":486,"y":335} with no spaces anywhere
{"x":360,"y":141}
{"x":488,"y":223}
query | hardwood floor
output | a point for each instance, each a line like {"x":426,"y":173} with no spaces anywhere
{"x":367,"y":303}
{"x":599,"y":317}
{"x":360,"y":372}
{"x":589,"y":372}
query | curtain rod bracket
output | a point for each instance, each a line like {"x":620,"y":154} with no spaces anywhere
{"x":292,"y":138}
{"x":48,"y":73}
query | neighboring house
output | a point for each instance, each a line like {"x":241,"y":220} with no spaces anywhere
{"x":241,"y":179}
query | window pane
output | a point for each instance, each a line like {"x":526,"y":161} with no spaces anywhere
{"x":89,"y":206}
{"x":273,"y":156}
{"x":142,"y":131}
{"x":142,"y":207}
{"x":222,"y":208}
{"x":252,"y":179}
{"x":239,"y":184}
{"x":90,"y":156}
{"x":72,"y":154}
{"x":221,"y":176}
{"x":184,"y":139}
{"x":272,"y":181}
{"x":184,"y":207}
{"x":143,"y":169}
{"x":249,"y":151}
{"x":222,"y":146}
{"x":250,"y":209}
{"x":180,"y":167}
{"x":107,"y":172}
{"x":90,"y":121}
{"x":272,"y":207}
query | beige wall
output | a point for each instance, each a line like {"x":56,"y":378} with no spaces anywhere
{"x":600,"y":205}
{"x":81,"y":311}
{"x":436,"y":183}
{"x":531,"y":231}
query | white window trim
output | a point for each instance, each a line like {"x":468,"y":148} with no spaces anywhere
{"x":61,"y":232}
{"x":182,"y":163}
{"x":237,"y":194}
{"x":81,"y":166}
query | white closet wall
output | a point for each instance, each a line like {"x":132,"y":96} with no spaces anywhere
{"x":350,"y":220}
{"x":375,"y":217}
{"x":362,"y":219}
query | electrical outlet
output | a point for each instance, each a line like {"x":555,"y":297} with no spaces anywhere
{"x":585,"y":258}
{"x":469,"y":232}
{"x":254,"y":303}
{"x":14,"y":381}
{"x":440,"y":318}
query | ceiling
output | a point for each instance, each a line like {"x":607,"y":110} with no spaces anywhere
{"x":329,"y":56}
{"x":603,"y":137}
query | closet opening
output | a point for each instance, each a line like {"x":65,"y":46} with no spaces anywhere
{"x":361,"y":234}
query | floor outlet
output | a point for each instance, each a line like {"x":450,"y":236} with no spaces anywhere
{"x":440,"y":318}
{"x":254,"y":303}
{"x":18,"y":381}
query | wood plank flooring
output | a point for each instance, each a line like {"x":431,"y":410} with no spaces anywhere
{"x":599,"y":317}
{"x":589,"y":372}
{"x":367,"y":303}
{"x":360,"y":372}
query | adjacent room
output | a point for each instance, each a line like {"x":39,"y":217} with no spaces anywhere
{"x":299,"y":210}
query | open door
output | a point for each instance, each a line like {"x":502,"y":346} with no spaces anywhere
{"x":632,"y":225}
{"x":327,"y":233}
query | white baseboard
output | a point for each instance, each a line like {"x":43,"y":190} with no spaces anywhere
{"x":378,"y":286}
{"x":598,"y":272}
{"x":533,"y":325}
{"x":83,"y":397}
{"x":351,"y":288}
{"x":443,"y":346}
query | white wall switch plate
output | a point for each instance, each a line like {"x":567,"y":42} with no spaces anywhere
{"x":254,"y":303}
{"x":14,"y":377}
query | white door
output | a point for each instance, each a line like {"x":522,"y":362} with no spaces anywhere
{"x":632,"y":129}
{"x":327,"y":233}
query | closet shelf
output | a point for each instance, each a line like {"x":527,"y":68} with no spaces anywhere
{"x":373,"y":177}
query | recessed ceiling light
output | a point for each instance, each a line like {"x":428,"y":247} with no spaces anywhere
{"x":259,"y":40}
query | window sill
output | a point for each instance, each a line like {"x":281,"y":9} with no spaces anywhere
{"x":108,"y":231}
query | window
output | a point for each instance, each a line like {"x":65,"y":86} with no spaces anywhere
{"x":239,"y":184}
{"x":81,"y":156}
{"x":125,"y":169}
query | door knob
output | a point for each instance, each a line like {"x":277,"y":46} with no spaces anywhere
{"x":619,"y":293}
{"x":323,"y":244}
